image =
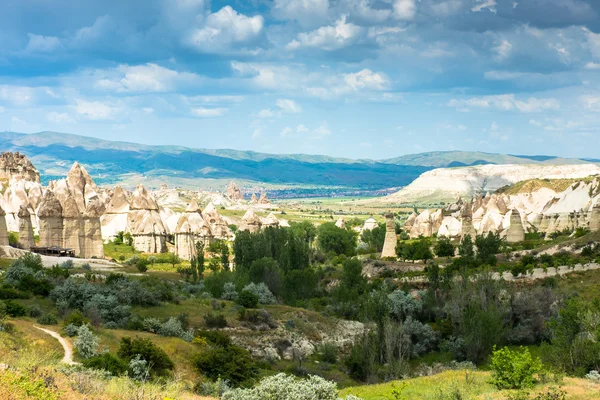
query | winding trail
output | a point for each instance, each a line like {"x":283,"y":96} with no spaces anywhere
{"x":68,"y":358}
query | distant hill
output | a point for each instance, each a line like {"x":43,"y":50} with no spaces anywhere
{"x":111,"y":162}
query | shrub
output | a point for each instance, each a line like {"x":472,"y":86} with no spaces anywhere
{"x":217,"y":321}
{"x":593,"y":376}
{"x":171,"y":327}
{"x":106,"y":362}
{"x":262,"y":292}
{"x":228,"y":362}
{"x":159,"y":362}
{"x":247,"y":299}
{"x":86,"y":342}
{"x":71,"y":330}
{"x":328,"y":352}
{"x":286,"y":387}
{"x":35,"y":311}
{"x":47,"y":319}
{"x":76,"y":318}
{"x":8,"y":293}
{"x":151,"y":325}
{"x":229,"y":291}
{"x":15,"y":309}
{"x":514,"y":369}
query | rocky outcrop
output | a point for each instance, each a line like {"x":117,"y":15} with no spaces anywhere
{"x":50,"y":215}
{"x":250,"y":222}
{"x":16,"y":165}
{"x":26,"y":235}
{"x":515,"y":232}
{"x":191,"y":229}
{"x":145,"y":224}
{"x":340,"y":223}
{"x":270,"y":221}
{"x":389,"y":244}
{"x":93,"y":245}
{"x":3,"y":228}
{"x":253,"y":199}
{"x":263,"y":198}
{"x":218,"y":226}
{"x":594,"y":218}
{"x":234,"y":193}
{"x":369,"y":224}
{"x":114,"y":219}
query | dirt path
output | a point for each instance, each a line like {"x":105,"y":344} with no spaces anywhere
{"x":68,"y":358}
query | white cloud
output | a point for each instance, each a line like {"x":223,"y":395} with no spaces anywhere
{"x":366,"y":79}
{"x":256,"y":133}
{"x":203,"y":112}
{"x":502,"y":50}
{"x":17,"y":95}
{"x":265,"y":113}
{"x":592,"y":65}
{"x":307,"y":12}
{"x":591,"y":103}
{"x":404,"y":9}
{"x":42,"y":44}
{"x":148,"y":110}
{"x":90,"y":34}
{"x":447,"y":8}
{"x":506,"y":102}
{"x":216,"y":99}
{"x":301,"y":129}
{"x":146,"y":78}
{"x":225,"y":29}
{"x":483,"y":4}
{"x":322,"y":130}
{"x":363,"y":10}
{"x":59,"y":118}
{"x":328,"y":37}
{"x":289,"y":106}
{"x":96,"y":110}
{"x":286,"y":131}
{"x":535,"y":123}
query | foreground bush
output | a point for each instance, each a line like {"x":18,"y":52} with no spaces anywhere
{"x":514,"y":369}
{"x":286,"y":387}
{"x":158,"y":361}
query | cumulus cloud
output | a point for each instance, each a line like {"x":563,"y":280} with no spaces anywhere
{"x":591,"y":103}
{"x":286,"y":131}
{"x":59,"y":118}
{"x":42,"y":44}
{"x":322,"y":130}
{"x":96,"y":110}
{"x":224,"y":30}
{"x":143,"y":78}
{"x":288,"y":106}
{"x":301,"y":129}
{"x":328,"y":38}
{"x":204,"y":112}
{"x":483,"y":4}
{"x":366,"y":79}
{"x":306,"y":12}
{"x":506,"y":102}
{"x":404,"y":9}
{"x":503,"y":50}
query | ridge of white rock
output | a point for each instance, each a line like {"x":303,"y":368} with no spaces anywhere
{"x":449,"y":184}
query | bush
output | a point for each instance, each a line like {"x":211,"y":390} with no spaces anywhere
{"x":35,"y":311}
{"x":328,"y":352}
{"x":151,"y":325}
{"x":71,"y":330}
{"x":229,"y":291}
{"x":159,"y":362}
{"x":227,"y":361}
{"x":287,"y":387}
{"x":8,"y":293}
{"x":514,"y":369}
{"x":47,"y":319}
{"x":247,"y":299}
{"x":86,"y":342}
{"x":106,"y":362}
{"x":76,"y":318}
{"x":262,"y":292}
{"x":216,"y":321}
{"x":15,"y":309}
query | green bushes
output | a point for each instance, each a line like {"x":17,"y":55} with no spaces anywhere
{"x":47,"y":319}
{"x":158,"y":361}
{"x":247,"y":299}
{"x":213,"y":321}
{"x":14,"y":309}
{"x":107,"y":362}
{"x":223,"y":360}
{"x":514,"y":369}
{"x":86,"y":342}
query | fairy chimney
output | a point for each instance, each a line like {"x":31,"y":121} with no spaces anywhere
{"x":50,"y":214}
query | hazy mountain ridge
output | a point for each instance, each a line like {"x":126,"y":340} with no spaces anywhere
{"x":111,"y":162}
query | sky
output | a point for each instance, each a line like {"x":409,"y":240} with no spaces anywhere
{"x":347,"y":78}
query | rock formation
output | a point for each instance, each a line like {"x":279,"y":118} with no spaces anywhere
{"x":50,"y":214}
{"x":253,"y":199}
{"x":114,"y":219}
{"x":191,"y":229}
{"x":16,"y":165}
{"x":369,"y":224}
{"x":218,"y":226}
{"x":234,"y":193}
{"x":3,"y":228}
{"x":26,"y":235}
{"x":270,"y":221}
{"x":263,"y":198}
{"x":72,"y":222}
{"x":250,"y":222}
{"x":389,"y":244}
{"x":340,"y":223}
{"x":594,"y":218}
{"x":145,"y":224}
{"x":93,"y":245}
{"x":515,"y":232}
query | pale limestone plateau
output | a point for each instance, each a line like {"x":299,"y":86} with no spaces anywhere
{"x":512,"y":215}
{"x":450,"y":184}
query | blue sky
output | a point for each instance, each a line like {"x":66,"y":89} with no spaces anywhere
{"x":349,"y":78}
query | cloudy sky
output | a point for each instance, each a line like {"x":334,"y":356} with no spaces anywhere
{"x":352,"y":78}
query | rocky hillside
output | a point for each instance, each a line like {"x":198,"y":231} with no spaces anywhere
{"x":449,"y":184}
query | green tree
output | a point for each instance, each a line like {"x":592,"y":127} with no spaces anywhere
{"x":465,"y":249}
{"x":514,"y":369}
{"x":330,"y":238}
{"x":487,"y":248}
{"x":304,"y":230}
{"x":225,"y":256}
{"x":158,"y":361}
{"x":444,"y":247}
{"x":374,"y":237}
{"x":197,"y":262}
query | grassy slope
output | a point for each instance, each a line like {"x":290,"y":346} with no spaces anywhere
{"x":532,"y":185}
{"x":471,"y":384}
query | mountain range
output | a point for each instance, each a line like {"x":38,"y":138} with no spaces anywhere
{"x":113,"y":162}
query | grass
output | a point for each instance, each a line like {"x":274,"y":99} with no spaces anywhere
{"x":115,"y":251}
{"x":464,"y":385}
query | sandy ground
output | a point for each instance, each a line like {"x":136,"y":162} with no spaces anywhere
{"x":68,"y":358}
